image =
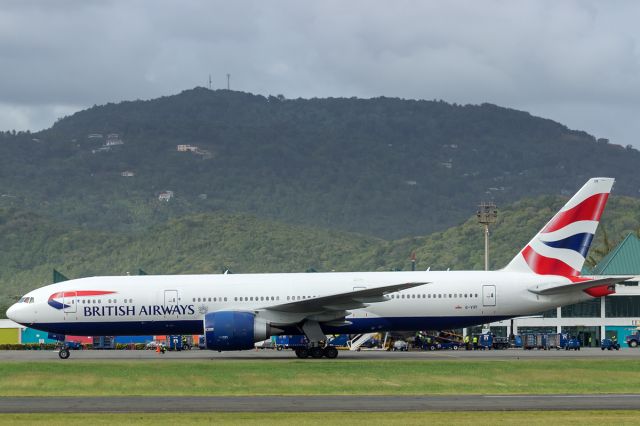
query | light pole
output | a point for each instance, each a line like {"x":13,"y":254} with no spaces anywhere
{"x":487,"y":214}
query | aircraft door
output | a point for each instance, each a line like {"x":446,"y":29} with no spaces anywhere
{"x":70,"y":303}
{"x":171,"y":300}
{"x":488,"y":295}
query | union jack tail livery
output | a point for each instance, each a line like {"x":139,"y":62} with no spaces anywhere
{"x":561,"y":247}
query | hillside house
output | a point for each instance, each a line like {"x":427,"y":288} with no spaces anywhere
{"x":165,"y":196}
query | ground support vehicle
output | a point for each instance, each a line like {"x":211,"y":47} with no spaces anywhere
{"x":609,"y":344}
{"x":572,"y":344}
{"x":633,"y":340}
{"x":485,"y":341}
{"x":400,"y":345}
{"x":529,"y":341}
{"x":501,"y":343}
{"x":291,"y":341}
{"x":436,"y":346}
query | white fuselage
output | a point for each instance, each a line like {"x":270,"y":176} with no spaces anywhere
{"x":176,"y":304}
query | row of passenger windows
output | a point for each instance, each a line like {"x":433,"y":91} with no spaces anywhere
{"x":294,"y":298}
{"x":435,"y":296}
{"x":98,"y":301}
{"x":210,"y":299}
{"x":238,"y":299}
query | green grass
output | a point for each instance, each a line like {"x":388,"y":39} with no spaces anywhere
{"x":412,"y":418}
{"x":295,"y":377}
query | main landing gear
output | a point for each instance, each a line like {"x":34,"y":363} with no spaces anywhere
{"x":317,"y":352}
{"x":64,"y":353}
{"x":317,"y":338}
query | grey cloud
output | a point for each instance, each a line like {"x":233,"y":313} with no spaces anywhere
{"x":573,"y":61}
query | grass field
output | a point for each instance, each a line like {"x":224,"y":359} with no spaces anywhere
{"x":414,"y":418}
{"x":295,"y":377}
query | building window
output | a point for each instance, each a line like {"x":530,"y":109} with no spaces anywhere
{"x":622,"y":306}
{"x":551,"y":313}
{"x":588,"y":309}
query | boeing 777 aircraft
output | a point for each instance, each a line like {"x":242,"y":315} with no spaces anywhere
{"x":234,"y":311}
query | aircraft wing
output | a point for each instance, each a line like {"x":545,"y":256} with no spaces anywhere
{"x":343,"y":301}
{"x":555,"y":288}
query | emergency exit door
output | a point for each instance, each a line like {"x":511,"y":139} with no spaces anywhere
{"x":69,"y":302}
{"x":170,"y":302}
{"x":488,"y":295}
{"x":70,"y":305}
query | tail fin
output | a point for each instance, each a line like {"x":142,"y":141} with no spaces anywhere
{"x":561,"y":247}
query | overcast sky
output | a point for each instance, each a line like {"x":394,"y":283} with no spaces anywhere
{"x":577,"y":62}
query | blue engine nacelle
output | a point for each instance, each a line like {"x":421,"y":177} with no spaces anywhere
{"x":234,"y":331}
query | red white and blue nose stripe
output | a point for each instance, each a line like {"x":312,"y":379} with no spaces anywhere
{"x":68,"y":294}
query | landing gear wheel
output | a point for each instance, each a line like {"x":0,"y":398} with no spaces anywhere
{"x":302,"y":353}
{"x":330,"y":352}
{"x":64,"y":353}
{"x":316,"y":352}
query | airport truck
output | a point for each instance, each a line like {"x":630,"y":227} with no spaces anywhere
{"x":633,"y":340}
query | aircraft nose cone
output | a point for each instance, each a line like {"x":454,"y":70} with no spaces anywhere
{"x":11,"y":312}
{"x":17,"y":314}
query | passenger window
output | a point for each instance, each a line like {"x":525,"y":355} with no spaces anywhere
{"x":439,"y":296}
{"x":225,"y":299}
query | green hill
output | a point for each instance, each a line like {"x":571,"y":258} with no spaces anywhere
{"x":385,"y":167}
{"x":207,"y":243}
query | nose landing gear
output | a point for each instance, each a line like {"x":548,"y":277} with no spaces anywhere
{"x":64,"y":353}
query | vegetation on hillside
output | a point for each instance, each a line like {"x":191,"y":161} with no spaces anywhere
{"x":385,"y":167}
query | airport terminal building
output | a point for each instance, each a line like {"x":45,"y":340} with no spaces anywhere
{"x":615,"y":315}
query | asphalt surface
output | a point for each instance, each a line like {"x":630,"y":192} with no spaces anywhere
{"x":318,"y":403}
{"x":269,"y":354}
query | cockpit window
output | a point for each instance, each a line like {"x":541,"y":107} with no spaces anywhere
{"x":26,"y":300}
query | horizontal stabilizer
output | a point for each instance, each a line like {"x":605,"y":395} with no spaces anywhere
{"x":555,"y":288}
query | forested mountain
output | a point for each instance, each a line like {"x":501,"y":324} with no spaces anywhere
{"x":207,"y":243}
{"x":383,"y":167}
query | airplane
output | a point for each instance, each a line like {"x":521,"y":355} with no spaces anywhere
{"x":234,"y":311}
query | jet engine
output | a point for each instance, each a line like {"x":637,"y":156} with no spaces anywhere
{"x":234,"y":330}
